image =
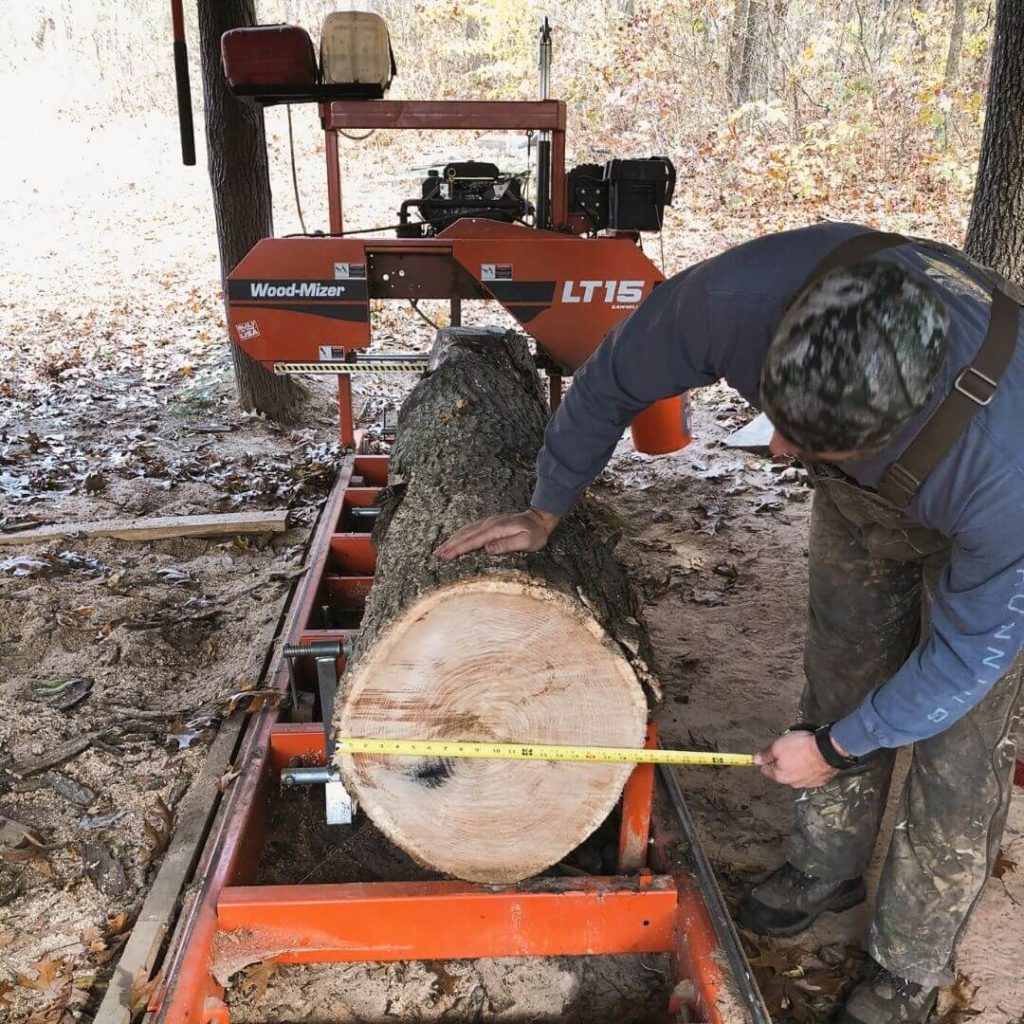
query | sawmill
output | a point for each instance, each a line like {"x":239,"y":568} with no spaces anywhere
{"x":485,"y":716}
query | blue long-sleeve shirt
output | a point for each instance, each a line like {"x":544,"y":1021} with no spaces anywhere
{"x":716,"y":320}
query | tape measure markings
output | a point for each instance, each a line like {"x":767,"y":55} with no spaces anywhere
{"x":538,"y":752}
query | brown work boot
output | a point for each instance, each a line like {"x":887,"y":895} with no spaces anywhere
{"x":885,"y":998}
{"x":789,"y":900}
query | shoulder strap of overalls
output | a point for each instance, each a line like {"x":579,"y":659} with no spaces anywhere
{"x":975,"y":385}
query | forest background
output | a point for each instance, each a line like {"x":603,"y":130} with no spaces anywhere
{"x":776,"y":112}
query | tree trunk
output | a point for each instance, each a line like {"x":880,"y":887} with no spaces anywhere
{"x":995,"y":232}
{"x":741,"y":13}
{"x":952,"y":74}
{"x":240,"y":178}
{"x":547,"y":647}
{"x":956,"y":43}
{"x":753,"y":54}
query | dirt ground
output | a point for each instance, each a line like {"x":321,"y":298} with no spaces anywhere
{"x":118,"y":401}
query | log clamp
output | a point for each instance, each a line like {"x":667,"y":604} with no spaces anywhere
{"x":339,"y":804}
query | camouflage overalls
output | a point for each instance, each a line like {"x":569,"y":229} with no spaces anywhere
{"x":873,"y":571}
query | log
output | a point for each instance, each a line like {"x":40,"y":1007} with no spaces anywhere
{"x":157,"y":527}
{"x":547,"y":647}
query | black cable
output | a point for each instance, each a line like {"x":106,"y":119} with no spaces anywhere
{"x":355,"y":138}
{"x":661,"y":240}
{"x":295,"y":177}
{"x":415,"y":303}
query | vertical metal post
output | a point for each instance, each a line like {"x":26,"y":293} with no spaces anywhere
{"x":346,"y":421}
{"x":559,"y":186}
{"x":456,"y":311}
{"x":327,"y":685}
{"x":333,"y":182}
{"x":544,"y":142}
{"x":188,"y":136}
{"x":554,"y":390}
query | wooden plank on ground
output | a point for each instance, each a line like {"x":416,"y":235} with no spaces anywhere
{"x":191,"y":819}
{"x":157,"y":527}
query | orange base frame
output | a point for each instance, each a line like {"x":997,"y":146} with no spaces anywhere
{"x":452,"y":920}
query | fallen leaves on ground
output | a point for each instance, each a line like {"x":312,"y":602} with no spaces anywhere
{"x":1003,"y":866}
{"x":143,"y":987}
{"x":801,"y":986}
{"x":256,"y":978}
{"x":93,"y":940}
{"x":160,"y":834}
{"x":118,"y":923}
{"x":202,"y":729}
{"x":48,"y":972}
{"x":48,"y":565}
{"x":228,"y":777}
{"x":955,"y":1002}
{"x":250,"y":701}
{"x":24,"y":845}
{"x":53,"y":465}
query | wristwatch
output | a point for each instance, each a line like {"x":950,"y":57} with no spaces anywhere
{"x":823,"y":737}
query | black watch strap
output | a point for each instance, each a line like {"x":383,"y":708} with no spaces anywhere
{"x":823,"y":737}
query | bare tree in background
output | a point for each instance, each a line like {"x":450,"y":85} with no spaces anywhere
{"x":753,"y":48}
{"x":740,"y":14}
{"x":240,"y":178}
{"x":956,"y":43}
{"x":952,"y":73}
{"x":749,"y":70}
{"x":995,"y":232}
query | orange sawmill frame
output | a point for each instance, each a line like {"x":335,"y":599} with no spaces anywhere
{"x":634,"y":911}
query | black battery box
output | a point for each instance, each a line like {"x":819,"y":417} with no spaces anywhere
{"x":638,"y":192}
{"x":624,"y":195}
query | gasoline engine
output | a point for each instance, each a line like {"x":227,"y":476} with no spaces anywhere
{"x":467,"y":189}
{"x":620,"y":196}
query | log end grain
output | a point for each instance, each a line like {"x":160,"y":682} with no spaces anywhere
{"x":500,"y":660}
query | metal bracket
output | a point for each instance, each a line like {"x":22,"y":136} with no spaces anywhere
{"x":340,"y":806}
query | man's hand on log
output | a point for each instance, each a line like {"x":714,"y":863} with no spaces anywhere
{"x":499,"y":535}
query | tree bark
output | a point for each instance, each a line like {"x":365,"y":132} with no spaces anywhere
{"x":240,"y":179}
{"x":956,"y":43}
{"x":753,"y":81}
{"x":751,"y":56}
{"x":952,"y":73}
{"x":547,"y":647}
{"x":995,"y":232}
{"x":741,"y":12}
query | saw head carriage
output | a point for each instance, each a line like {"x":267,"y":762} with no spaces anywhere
{"x":558,"y":249}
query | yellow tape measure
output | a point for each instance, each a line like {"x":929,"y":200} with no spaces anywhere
{"x":537,"y":752}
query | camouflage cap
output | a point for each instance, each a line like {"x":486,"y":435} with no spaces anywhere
{"x":855,"y":356}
